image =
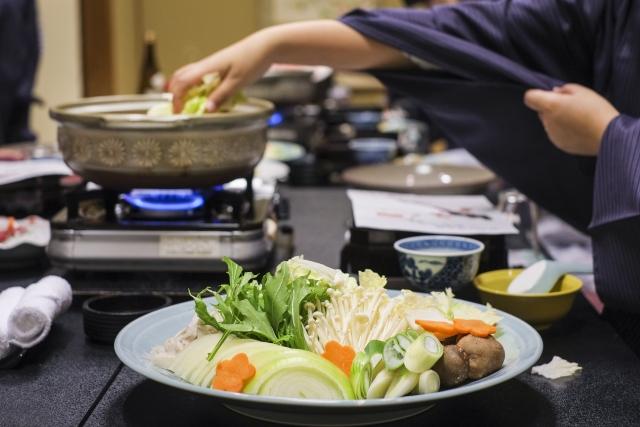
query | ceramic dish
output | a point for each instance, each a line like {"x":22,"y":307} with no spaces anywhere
{"x":523,"y":347}
{"x":422,"y":178}
{"x":540,"y":310}
{"x":432,"y":263}
{"x":373,"y":150}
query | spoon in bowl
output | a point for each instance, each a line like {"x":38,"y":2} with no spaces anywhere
{"x":540,"y":277}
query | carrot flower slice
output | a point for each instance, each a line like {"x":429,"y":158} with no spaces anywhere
{"x":233,"y":374}
{"x":340,"y":355}
{"x":227,"y":382}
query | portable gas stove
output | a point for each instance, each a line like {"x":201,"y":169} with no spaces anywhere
{"x":167,"y":230}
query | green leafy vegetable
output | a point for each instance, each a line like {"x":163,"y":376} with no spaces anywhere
{"x":271,"y":310}
{"x":275,"y":295}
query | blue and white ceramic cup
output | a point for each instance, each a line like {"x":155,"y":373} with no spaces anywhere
{"x":433,"y":263}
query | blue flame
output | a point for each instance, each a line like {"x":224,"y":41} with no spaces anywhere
{"x":164,"y":200}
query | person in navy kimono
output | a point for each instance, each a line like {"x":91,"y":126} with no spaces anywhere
{"x":543,"y":92}
{"x":19,"y":53}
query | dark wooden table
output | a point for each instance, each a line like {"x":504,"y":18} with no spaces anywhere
{"x":68,"y":380}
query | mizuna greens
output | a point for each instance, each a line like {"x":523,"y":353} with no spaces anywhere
{"x":269,"y":310}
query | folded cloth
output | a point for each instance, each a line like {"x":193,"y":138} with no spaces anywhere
{"x":9,"y":299}
{"x":41,"y":302}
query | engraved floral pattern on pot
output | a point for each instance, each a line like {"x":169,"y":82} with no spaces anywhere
{"x":145,"y":153}
{"x":183,"y":153}
{"x":213,"y":153}
{"x":244,"y":146}
{"x":81,"y":149}
{"x":111,"y":152}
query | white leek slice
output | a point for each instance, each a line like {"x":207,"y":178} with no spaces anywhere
{"x":428,"y":382}
{"x":402,"y":384}
{"x":380,"y":384}
{"x":423,"y":353}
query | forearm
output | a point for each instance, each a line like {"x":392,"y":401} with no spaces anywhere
{"x":328,"y":43}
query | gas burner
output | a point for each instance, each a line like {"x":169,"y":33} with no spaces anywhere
{"x":167,"y":230}
{"x":163,"y":204}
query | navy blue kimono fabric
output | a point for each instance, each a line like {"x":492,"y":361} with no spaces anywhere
{"x":19,"y":51}
{"x":489,"y":53}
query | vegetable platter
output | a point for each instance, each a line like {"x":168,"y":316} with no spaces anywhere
{"x":310,"y":344}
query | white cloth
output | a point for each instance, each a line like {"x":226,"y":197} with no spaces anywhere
{"x":31,"y":319}
{"x":9,"y":299}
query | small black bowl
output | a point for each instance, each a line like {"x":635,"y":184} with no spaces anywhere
{"x":105,"y":315}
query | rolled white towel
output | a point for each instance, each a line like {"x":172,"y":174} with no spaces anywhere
{"x":41,"y":302}
{"x":9,"y":299}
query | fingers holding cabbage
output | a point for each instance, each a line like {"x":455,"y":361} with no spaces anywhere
{"x":194,"y":103}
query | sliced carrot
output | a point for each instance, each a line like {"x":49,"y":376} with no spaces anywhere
{"x":474,"y":327}
{"x":340,"y":355}
{"x":442,"y":336}
{"x":234,"y":373}
{"x":227,"y":382}
{"x":239,"y":365}
{"x":443,"y":328}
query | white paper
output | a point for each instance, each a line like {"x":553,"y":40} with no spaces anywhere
{"x":427,"y":214}
{"x":11,"y":172}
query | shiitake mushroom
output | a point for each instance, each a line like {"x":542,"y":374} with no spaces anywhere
{"x":453,"y":366}
{"x":470,"y":358}
{"x":485,"y":355}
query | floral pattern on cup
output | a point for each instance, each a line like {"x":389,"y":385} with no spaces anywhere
{"x":438,"y":262}
{"x":429,"y":274}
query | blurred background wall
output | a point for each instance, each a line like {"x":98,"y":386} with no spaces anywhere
{"x":59,"y":77}
{"x":95,"y":47}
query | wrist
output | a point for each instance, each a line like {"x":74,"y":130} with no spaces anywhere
{"x":268,"y":44}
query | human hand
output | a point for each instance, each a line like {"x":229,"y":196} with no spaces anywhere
{"x":574,"y":117}
{"x":238,"y":65}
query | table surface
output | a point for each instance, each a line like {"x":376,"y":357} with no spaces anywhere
{"x":68,"y":380}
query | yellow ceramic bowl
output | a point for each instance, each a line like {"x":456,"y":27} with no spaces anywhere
{"x":540,"y":310}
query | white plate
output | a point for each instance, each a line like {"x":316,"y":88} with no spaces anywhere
{"x":523,"y":347}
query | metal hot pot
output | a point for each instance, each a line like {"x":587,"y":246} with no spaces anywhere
{"x":112,"y":142}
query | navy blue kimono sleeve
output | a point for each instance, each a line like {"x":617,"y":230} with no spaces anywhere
{"x":617,"y":182}
{"x":535,"y":43}
{"x":615,"y":227}
{"x":489,"y":53}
